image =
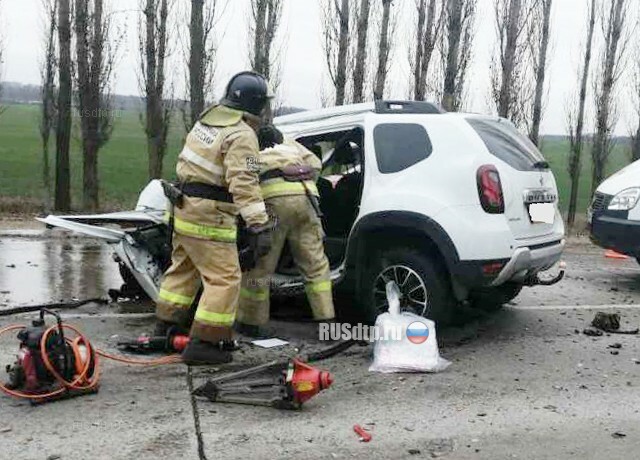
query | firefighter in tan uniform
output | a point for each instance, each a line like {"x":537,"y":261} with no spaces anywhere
{"x":218,"y":181}
{"x":288,"y":172}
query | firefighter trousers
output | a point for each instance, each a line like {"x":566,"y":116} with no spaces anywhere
{"x":301,"y":228}
{"x":215,"y":266}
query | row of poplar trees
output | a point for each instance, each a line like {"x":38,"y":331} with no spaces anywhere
{"x":358,"y":41}
{"x":81,"y":48}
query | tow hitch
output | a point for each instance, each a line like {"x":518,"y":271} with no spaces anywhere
{"x":534,"y":280}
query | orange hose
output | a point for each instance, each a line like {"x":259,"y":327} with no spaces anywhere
{"x":82,"y":381}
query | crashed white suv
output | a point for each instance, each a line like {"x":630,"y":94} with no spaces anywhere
{"x":453,"y":207}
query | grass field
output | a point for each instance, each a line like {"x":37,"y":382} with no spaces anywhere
{"x":123,"y":161}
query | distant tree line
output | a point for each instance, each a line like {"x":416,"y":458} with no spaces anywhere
{"x":360,"y":46}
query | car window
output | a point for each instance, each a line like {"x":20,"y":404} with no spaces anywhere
{"x":504,"y":141}
{"x":324,"y":146}
{"x":400,"y":145}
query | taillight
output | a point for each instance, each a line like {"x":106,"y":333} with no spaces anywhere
{"x":490,"y":189}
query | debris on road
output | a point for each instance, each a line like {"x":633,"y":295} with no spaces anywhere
{"x":592,"y":332}
{"x":607,"y":322}
{"x":364,"y":435}
{"x":615,"y":345}
{"x":619,"y":435}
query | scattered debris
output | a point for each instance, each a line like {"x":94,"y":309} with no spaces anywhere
{"x":270,"y":343}
{"x":615,"y":352}
{"x":11,"y":266}
{"x":5,"y":429}
{"x":364,"y":435}
{"x":619,"y":435}
{"x":615,"y":345}
{"x":592,"y":332}
{"x":414,"y":451}
{"x":610,"y":322}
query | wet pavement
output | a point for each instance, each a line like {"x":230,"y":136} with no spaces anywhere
{"x":524,"y":382}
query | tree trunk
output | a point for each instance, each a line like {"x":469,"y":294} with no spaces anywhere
{"x":508,"y":58}
{"x":361,"y":51}
{"x":454,"y":33}
{"x":430,"y":38}
{"x":417,"y":65}
{"x":62,"y":201}
{"x":343,"y":52}
{"x":383,"y":51}
{"x":602,"y":142}
{"x":48,"y":111}
{"x":635,"y":146}
{"x":575,"y":165}
{"x":258,"y":54}
{"x":540,"y":72}
{"x":196,"y":60}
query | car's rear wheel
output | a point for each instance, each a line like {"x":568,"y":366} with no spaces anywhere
{"x":422,"y":281}
{"x":493,"y":298}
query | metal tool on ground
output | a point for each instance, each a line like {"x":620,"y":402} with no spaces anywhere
{"x":173,"y":342}
{"x":58,"y":362}
{"x":275,"y":384}
{"x":365,"y":436}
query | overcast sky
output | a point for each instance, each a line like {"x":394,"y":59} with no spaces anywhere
{"x":303,"y":65}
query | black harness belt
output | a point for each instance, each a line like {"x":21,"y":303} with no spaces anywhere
{"x":206,"y":191}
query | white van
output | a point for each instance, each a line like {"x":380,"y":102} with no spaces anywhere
{"x":614,"y":217}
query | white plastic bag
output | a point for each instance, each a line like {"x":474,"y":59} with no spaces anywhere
{"x":417,"y":349}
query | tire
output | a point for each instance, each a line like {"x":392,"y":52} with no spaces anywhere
{"x":421,"y":279}
{"x":493,"y":298}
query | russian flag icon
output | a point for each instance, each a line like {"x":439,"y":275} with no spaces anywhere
{"x":417,"y":332}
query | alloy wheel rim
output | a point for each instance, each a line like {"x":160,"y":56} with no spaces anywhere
{"x":414,"y":296}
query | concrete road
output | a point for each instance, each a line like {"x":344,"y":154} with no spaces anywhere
{"x":524,"y":383}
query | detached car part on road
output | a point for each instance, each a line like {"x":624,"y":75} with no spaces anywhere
{"x":452,"y":207}
{"x":614,"y":214}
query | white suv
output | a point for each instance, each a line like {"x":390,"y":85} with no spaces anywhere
{"x":453,"y":207}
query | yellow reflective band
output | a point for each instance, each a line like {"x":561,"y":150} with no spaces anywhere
{"x":318,"y":286}
{"x":177,"y":299}
{"x":270,"y":190}
{"x":218,"y":319}
{"x":224,"y":234}
{"x":255,"y":294}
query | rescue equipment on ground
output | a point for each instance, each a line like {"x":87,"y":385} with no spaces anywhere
{"x":172,"y":342}
{"x":58,"y":362}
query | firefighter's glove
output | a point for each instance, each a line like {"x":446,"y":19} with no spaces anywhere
{"x":294,"y":173}
{"x":260,"y":239}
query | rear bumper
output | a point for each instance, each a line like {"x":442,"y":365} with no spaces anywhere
{"x":617,"y":233}
{"x":527,"y":261}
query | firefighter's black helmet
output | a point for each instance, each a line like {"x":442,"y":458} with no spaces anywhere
{"x":247,"y":91}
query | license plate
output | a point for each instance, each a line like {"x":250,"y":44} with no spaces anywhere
{"x":542,"y":213}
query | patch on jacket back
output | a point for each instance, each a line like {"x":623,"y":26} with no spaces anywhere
{"x":205,"y":134}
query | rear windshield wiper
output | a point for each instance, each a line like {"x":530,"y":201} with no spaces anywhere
{"x":541,"y":165}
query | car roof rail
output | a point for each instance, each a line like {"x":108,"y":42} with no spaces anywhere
{"x":402,"y":107}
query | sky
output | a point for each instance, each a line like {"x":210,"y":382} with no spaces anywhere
{"x":299,"y":42}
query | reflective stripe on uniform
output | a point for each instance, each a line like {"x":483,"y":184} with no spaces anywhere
{"x":280,"y":188}
{"x":224,"y":234}
{"x":218,"y":319}
{"x":189,"y":155}
{"x":252,"y":209}
{"x":314,"y":287}
{"x":178,"y":299}
{"x":260,"y":295}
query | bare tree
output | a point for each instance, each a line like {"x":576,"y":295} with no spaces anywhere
{"x":509,"y":74}
{"x":460,"y":29}
{"x":429,"y":26}
{"x":1,"y":63}
{"x":48,"y":76}
{"x":384,"y":50}
{"x":336,"y":14}
{"x":154,"y":42}
{"x":202,"y":56}
{"x":541,"y":24}
{"x":266,"y":17}
{"x":609,"y":72}
{"x":635,"y":136}
{"x":95,"y":59}
{"x":62,"y":199}
{"x":576,"y":121}
{"x":361,"y":50}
